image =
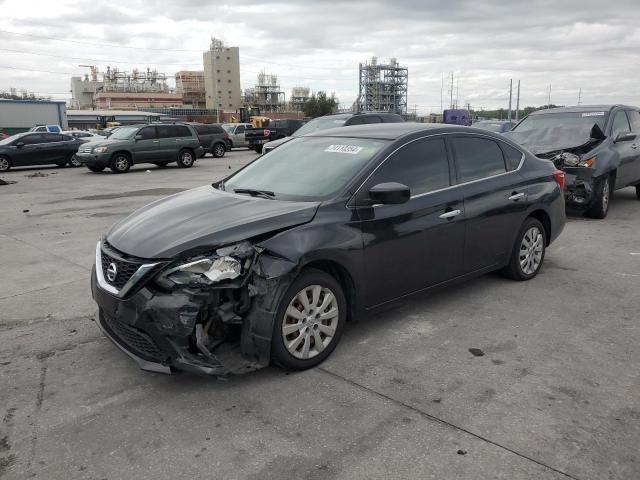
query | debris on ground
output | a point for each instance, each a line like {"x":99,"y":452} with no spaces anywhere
{"x":6,"y":182}
{"x":462,"y":452}
{"x":26,"y":210}
{"x":37,"y":174}
{"x":476,"y":352}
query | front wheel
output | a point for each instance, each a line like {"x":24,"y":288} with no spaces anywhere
{"x":120,"y":163}
{"x":601,"y":198}
{"x":218,"y":150}
{"x":5,"y":164}
{"x":186,"y":159}
{"x":528,"y":251}
{"x":310,"y":320}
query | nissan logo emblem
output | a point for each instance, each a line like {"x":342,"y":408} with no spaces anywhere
{"x":112,"y":272}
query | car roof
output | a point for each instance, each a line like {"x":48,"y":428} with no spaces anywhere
{"x":394,"y":131}
{"x":580,"y":108}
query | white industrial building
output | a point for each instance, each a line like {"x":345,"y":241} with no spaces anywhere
{"x":20,"y":115}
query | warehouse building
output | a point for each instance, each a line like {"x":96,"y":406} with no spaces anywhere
{"x":20,"y":115}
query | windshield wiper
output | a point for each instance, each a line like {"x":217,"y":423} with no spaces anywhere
{"x":256,"y":193}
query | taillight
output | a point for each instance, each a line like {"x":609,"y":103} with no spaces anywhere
{"x":266,"y":132}
{"x":558,"y":176}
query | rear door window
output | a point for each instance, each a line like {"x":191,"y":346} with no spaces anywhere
{"x":32,"y":139}
{"x":512,"y":155}
{"x":239,"y":129}
{"x":52,"y":137}
{"x":182,"y":131}
{"x":354,"y":121}
{"x":421,"y":165}
{"x":148,"y":133}
{"x":166,"y":131}
{"x":478,"y":158}
{"x":372,"y":119}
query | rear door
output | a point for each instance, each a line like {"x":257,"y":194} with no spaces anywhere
{"x":168,"y":145}
{"x":626,"y":151}
{"x":420,"y":243}
{"x":54,"y":149}
{"x":183,"y":139}
{"x":495,"y":200}
{"x":146,"y":149}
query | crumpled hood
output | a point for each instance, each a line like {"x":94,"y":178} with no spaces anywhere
{"x":203,"y":217}
{"x":545,"y":140}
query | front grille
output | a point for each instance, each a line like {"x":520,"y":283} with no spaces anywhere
{"x":125,"y":267}
{"x":84,"y":149}
{"x":133,"y":339}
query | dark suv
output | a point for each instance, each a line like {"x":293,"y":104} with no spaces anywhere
{"x":337,"y":120}
{"x":159,"y":144}
{"x":596,"y":145}
{"x":213,"y":138}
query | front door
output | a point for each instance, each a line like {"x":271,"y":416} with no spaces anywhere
{"x":632,"y":168}
{"x":30,"y":150}
{"x":419,"y":243}
{"x":626,"y":150}
{"x":146,"y":148}
{"x":495,"y":200}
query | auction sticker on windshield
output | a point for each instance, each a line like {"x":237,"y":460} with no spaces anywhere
{"x":593,"y":114}
{"x":351,"y":149}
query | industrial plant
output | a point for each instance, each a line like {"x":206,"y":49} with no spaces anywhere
{"x":383,"y":87}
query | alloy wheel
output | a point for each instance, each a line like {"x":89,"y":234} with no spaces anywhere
{"x":4,"y":164}
{"x":218,"y":150}
{"x":122,"y":163}
{"x":187,"y":159}
{"x":310,"y":322}
{"x":531,"y":249}
{"x":75,"y":162}
{"x":606,"y":194}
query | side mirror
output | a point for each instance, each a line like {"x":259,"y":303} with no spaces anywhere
{"x":625,"y":137}
{"x":19,"y":145}
{"x":390,"y":193}
{"x":137,"y":137}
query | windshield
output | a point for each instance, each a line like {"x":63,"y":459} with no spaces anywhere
{"x":123,"y":133}
{"x":228,"y":127}
{"x":321,"y":123}
{"x":10,"y":139}
{"x":308,"y":168}
{"x":555,"y":131}
{"x":491,"y":126}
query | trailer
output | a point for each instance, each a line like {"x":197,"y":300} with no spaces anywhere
{"x":21,"y":115}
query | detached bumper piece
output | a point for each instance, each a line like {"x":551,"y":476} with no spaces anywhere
{"x":579,"y":186}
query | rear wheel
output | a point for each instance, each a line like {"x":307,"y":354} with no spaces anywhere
{"x":309,"y":322}
{"x":218,"y":150}
{"x":120,"y":163}
{"x":186,"y":159}
{"x":5,"y":164}
{"x":95,"y":169}
{"x":638,"y":191}
{"x":528,"y":251}
{"x":73,"y":161}
{"x":601,"y":198}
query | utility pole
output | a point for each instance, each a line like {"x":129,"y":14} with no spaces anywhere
{"x":441,"y":90}
{"x":510,"y":98}
{"x":457,"y":90}
{"x":579,"y":96}
{"x":451,"y":91}
{"x":549,"y":98}
{"x":518,"y":101}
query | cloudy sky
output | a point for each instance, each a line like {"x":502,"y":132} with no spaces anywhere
{"x":570,"y":45}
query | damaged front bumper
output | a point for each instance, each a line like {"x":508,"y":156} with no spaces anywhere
{"x":579,"y":186}
{"x":220,"y":330}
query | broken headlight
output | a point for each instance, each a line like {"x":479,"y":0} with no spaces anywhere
{"x":589,"y":162}
{"x":570,"y":159}
{"x":203,"y":271}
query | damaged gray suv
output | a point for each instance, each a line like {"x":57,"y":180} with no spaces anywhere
{"x":269,"y":263}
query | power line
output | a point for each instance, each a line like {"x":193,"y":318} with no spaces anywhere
{"x":84,"y":59}
{"x":33,"y":70}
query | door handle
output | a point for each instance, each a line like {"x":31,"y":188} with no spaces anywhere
{"x":516,"y":196}
{"x":450,"y":214}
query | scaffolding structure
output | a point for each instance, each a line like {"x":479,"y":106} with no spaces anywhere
{"x":299,"y":96}
{"x":149,"y":81}
{"x":383,"y":87}
{"x":266,"y":94}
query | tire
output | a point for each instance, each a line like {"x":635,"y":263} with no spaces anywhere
{"x":601,"y":199}
{"x":5,"y":164}
{"x":257,"y":148}
{"x":218,"y":150}
{"x":297,"y":349}
{"x":120,"y":163}
{"x":186,"y":159}
{"x":638,"y":191}
{"x":95,"y":169}
{"x":162,"y":164}
{"x":73,"y":161}
{"x":528,"y":251}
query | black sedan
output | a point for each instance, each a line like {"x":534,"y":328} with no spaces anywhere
{"x":29,"y":149}
{"x":277,"y":257}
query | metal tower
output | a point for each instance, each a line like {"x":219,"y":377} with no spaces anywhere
{"x":383,"y":87}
